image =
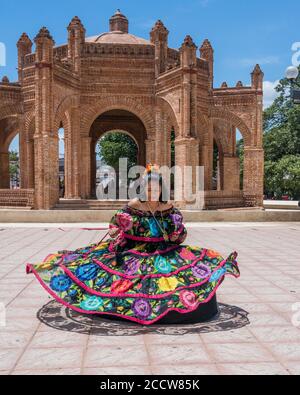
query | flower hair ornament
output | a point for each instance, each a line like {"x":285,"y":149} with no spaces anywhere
{"x":152,"y":168}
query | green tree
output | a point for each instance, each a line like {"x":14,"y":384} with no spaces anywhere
{"x":114,"y":146}
{"x":282,"y":144}
{"x":14,"y":167}
{"x":283,"y":176}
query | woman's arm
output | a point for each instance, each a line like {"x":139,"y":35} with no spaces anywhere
{"x":114,"y":229}
{"x":121,"y":222}
{"x":179,"y":233}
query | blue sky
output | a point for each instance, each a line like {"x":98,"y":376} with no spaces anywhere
{"x":242,"y":33}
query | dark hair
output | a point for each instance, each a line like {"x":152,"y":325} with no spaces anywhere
{"x":156,"y":177}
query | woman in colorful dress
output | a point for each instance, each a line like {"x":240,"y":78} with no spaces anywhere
{"x":143,"y":272}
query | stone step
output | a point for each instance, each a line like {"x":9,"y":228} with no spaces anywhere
{"x":77,"y":204}
{"x":15,"y":208}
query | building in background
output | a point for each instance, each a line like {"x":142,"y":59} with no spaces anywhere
{"x":115,"y":80}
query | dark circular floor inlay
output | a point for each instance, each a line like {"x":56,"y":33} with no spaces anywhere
{"x":57,"y":316}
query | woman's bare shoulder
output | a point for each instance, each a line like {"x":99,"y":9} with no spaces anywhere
{"x":166,"y":206}
{"x":135,"y":203}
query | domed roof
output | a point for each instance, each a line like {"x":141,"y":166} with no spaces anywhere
{"x":117,"y":37}
{"x":118,"y":34}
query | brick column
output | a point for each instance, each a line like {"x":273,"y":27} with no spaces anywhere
{"x":159,"y":37}
{"x":4,"y":170}
{"x":231,"y":179}
{"x":29,"y":163}
{"x":85,"y":174}
{"x":186,"y":154}
{"x":207,"y":156}
{"x":45,"y":139}
{"x":162,"y":149}
{"x":150,"y":151}
{"x":254,"y":176}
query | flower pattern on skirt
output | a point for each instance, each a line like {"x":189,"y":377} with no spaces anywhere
{"x":137,"y":274}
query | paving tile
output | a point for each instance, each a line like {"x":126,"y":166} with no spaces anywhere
{"x":95,"y":340}
{"x":169,"y":339}
{"x":110,"y":356}
{"x":267,"y":319}
{"x":48,"y":372}
{"x":8,"y":357}
{"x":239,"y":353}
{"x":253,"y":369}
{"x":14,"y":339}
{"x":242,"y":335}
{"x":292,"y":367}
{"x":20,"y":324}
{"x":279,"y":334}
{"x":197,"y":369}
{"x":57,"y":339}
{"x":286,"y":351}
{"x":50,"y":358}
{"x":177,"y":354}
{"x":118,"y":371}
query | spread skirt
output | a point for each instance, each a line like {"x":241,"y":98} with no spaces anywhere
{"x":134,"y":285}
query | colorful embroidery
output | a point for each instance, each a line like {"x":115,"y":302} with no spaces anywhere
{"x":136,"y":275}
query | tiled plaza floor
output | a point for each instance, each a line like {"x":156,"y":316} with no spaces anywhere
{"x":269,"y":290}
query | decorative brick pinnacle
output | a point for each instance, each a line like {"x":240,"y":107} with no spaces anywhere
{"x":24,"y":39}
{"x":257,"y":70}
{"x":206,"y":45}
{"x":188,"y":42}
{"x":224,"y":85}
{"x":119,"y":22}
{"x":44,"y":33}
{"x":5,"y":80}
{"x":159,"y":26}
{"x":75,"y":22}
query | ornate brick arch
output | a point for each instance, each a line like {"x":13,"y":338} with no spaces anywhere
{"x":89,"y":113}
{"x":221,"y":114}
{"x":168,"y":109}
{"x":11,"y":110}
{"x":29,"y":123}
{"x":12,"y":131}
{"x":202,"y":127}
{"x":62,"y":111}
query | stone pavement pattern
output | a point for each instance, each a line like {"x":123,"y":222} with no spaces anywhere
{"x":268,"y":289}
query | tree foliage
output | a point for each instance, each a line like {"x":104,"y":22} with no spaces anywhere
{"x":282,"y":144}
{"x":14,"y":167}
{"x":114,"y":146}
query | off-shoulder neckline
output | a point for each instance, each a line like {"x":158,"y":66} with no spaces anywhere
{"x":144,"y":212}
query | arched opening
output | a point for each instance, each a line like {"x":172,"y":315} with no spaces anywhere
{"x":62,"y":160}
{"x":110,"y":148}
{"x":218,"y":167}
{"x":240,"y":150}
{"x":14,"y":163}
{"x":9,"y":154}
{"x":226,"y":153}
{"x":115,"y":135}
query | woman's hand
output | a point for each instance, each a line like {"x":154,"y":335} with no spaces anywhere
{"x":114,"y":231}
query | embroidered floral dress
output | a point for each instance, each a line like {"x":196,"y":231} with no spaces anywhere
{"x":137,"y":274}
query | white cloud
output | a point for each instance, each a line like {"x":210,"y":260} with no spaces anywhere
{"x":270,"y":93}
{"x":267,"y":60}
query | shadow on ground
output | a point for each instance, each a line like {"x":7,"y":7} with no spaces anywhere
{"x":59,"y":317}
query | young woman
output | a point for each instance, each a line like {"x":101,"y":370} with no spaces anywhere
{"x":143,"y":273}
